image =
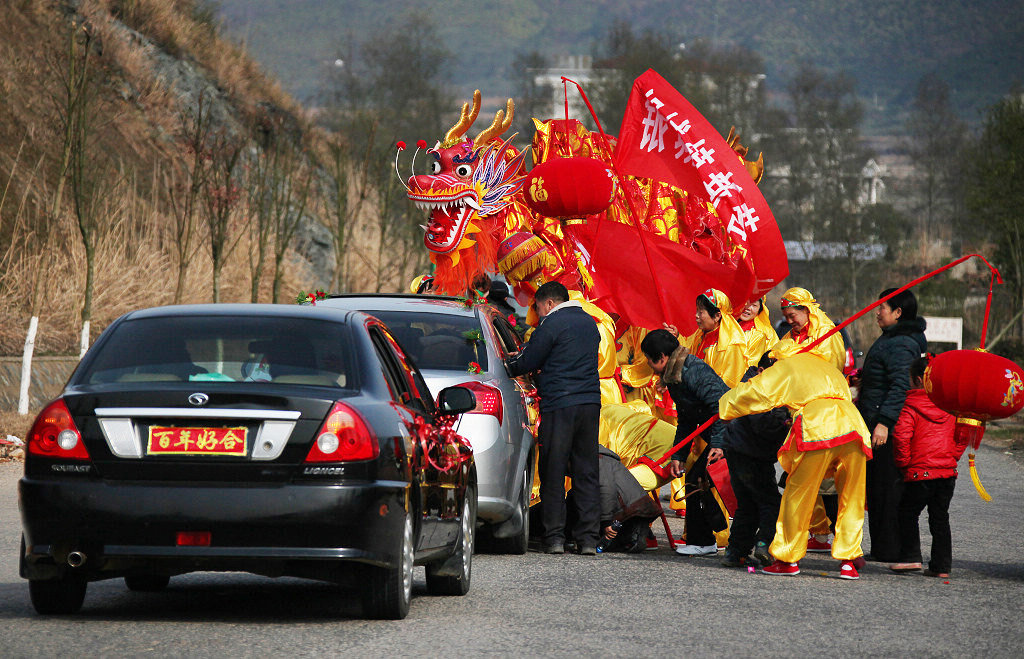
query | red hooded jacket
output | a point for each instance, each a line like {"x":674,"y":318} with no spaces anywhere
{"x":923,"y":440}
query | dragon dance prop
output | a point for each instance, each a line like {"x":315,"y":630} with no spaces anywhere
{"x":660,"y":214}
{"x":973,"y":385}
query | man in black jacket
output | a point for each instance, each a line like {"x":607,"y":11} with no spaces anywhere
{"x":695,"y":389}
{"x":563,"y":349}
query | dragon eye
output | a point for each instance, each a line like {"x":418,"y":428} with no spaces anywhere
{"x":463,"y":170}
{"x":436,"y":167}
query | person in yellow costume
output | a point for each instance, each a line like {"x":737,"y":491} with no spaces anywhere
{"x":634,"y":434}
{"x":757,"y":326}
{"x":718,"y":341}
{"x":808,"y":322}
{"x":828,"y":438}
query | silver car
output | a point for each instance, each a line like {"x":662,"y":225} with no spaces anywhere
{"x":448,"y":340}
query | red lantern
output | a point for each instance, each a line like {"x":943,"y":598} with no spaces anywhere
{"x":975,"y":386}
{"x":569,"y":188}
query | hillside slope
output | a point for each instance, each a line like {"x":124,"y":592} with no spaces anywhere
{"x":152,"y":60}
{"x":886,"y":45}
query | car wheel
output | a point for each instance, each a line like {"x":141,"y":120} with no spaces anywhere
{"x":518,"y":543}
{"x":458,"y":584}
{"x":388,"y":590}
{"x":52,"y":596}
{"x":146,"y":583}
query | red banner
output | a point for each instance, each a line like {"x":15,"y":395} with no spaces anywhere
{"x":197,"y":441}
{"x":665,"y":138}
{"x":628,"y":287}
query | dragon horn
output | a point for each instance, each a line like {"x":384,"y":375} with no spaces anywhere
{"x":466,"y":119}
{"x":501,"y":123}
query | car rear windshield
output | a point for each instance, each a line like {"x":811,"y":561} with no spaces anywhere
{"x":224,"y":349}
{"x":437,"y":341}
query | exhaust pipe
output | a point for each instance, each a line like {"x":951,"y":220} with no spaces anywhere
{"x":76,"y":559}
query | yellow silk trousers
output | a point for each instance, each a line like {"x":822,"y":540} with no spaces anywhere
{"x":820,"y":523}
{"x":806,"y":471}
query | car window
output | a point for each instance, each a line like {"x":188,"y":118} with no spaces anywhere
{"x":436,"y":341}
{"x":506,"y":335}
{"x":418,"y":388}
{"x":218,"y":348}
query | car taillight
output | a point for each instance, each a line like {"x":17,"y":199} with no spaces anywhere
{"x":55,"y":435}
{"x":344,"y":436}
{"x":488,"y":399}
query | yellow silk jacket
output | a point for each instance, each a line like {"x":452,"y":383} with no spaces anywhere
{"x":816,"y":394}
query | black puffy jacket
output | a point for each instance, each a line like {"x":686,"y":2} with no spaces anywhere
{"x":696,"y":398}
{"x":885,"y":376}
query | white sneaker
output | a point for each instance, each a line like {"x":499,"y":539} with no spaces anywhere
{"x":697,"y":550}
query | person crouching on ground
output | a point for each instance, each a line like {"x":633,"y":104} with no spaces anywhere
{"x":564,"y":349}
{"x":626,"y":509}
{"x":926,"y":450}
{"x":751,"y":445}
{"x":828,"y":436}
{"x":695,"y":389}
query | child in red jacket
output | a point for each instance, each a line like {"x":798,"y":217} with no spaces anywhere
{"x":926,"y":453}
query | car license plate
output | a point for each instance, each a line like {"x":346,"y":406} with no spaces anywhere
{"x":196,"y":441}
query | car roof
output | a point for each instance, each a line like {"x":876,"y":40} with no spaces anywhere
{"x":252,"y":310}
{"x":406,"y":302}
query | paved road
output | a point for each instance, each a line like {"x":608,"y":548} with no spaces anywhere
{"x":655,"y":604}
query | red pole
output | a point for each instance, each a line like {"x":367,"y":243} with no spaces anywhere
{"x":658,"y":289}
{"x":996,"y":278}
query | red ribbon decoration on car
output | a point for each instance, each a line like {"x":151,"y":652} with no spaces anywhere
{"x":450,"y":448}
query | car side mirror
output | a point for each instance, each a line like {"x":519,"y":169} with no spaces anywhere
{"x":455,"y":400}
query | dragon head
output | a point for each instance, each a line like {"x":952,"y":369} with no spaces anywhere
{"x":472,"y":181}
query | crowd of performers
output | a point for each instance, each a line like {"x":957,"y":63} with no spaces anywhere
{"x":845,"y":442}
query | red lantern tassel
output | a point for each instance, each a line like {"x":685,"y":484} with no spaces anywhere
{"x":969,"y":433}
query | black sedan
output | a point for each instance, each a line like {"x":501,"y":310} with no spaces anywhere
{"x":279,"y":440}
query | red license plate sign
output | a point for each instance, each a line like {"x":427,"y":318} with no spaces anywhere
{"x":196,"y":441}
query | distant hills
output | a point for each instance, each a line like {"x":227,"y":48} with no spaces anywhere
{"x":977,"y":47}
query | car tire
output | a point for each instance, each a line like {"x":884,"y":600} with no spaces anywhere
{"x":146,"y":583}
{"x":518,"y":543}
{"x":57,"y":596}
{"x":458,"y":584}
{"x":388,"y":590}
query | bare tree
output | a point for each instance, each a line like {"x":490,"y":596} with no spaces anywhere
{"x":995,"y":187}
{"x":938,"y":138}
{"x":345,"y":190}
{"x":184,"y":193}
{"x":221,"y":193}
{"x":91,"y":174}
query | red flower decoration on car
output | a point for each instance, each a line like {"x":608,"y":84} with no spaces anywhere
{"x":512,"y":319}
{"x":473,"y":368}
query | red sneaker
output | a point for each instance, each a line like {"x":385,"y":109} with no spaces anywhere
{"x":652,"y":543}
{"x":848,"y":571}
{"x":782,"y":569}
{"x":815,"y":545}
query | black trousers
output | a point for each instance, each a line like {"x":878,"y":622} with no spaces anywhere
{"x":568,"y":447}
{"x":884,"y":485}
{"x":757,"y":502}
{"x":703,"y":514}
{"x":934,"y":494}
